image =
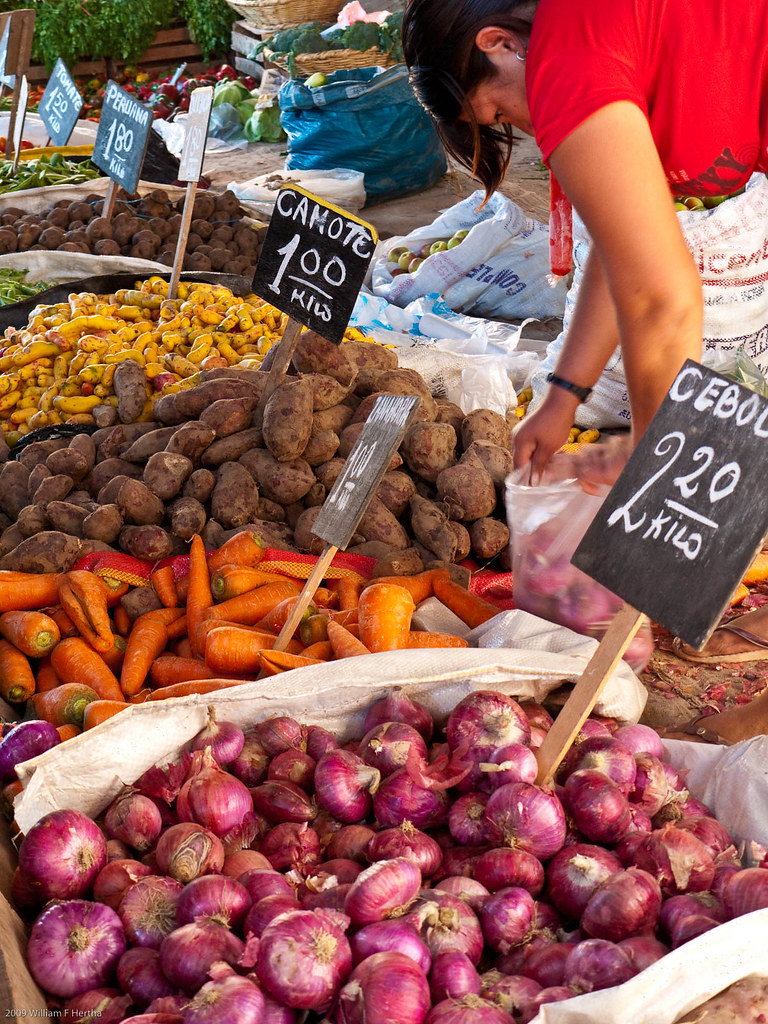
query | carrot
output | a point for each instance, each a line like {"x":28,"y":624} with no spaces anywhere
{"x":122,"y":620}
{"x":75,"y":662}
{"x":141,"y":697}
{"x":274,"y":662}
{"x":199,"y":598}
{"x":115,"y":657}
{"x":470,"y":608}
{"x":277,"y":617}
{"x":66,"y":626}
{"x":17,"y":680}
{"x":67,"y":732}
{"x":420,"y":586}
{"x":99,"y":711}
{"x":231,"y":580}
{"x":21,"y":591}
{"x":321,"y":650}
{"x":172,"y":669}
{"x":183,"y":648}
{"x":314,"y":629}
{"x":384,"y":614}
{"x":247,"y":609}
{"x":344,"y":644}
{"x":46,"y":678}
{"x":348,"y":591}
{"x":325,"y":598}
{"x":739,"y":594}
{"x":114,"y":589}
{"x":84,"y":599}
{"x":164,"y":585}
{"x":245,"y":548}
{"x":146,"y":641}
{"x":65,"y":705}
{"x":207,"y":626}
{"x":34,"y":633}
{"x":758,"y":570}
{"x":233,"y":650}
{"x":177,"y":628}
{"x":421,"y":639}
{"x":192,"y":686}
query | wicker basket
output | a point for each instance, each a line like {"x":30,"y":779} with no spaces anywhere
{"x":277,"y":14}
{"x":306,"y":64}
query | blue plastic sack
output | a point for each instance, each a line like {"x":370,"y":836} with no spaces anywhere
{"x":365,"y":119}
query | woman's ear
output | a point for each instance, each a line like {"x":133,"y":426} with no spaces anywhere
{"x":493,"y":40}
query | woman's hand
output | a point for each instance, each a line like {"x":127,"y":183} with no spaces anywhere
{"x":536,"y":439}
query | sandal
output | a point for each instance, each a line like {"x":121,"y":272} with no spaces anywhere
{"x":688,"y":653}
{"x":695,"y":728}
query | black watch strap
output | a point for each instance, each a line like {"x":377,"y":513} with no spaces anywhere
{"x":581,"y":392}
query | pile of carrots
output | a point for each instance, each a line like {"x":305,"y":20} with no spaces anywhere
{"x":69,"y":648}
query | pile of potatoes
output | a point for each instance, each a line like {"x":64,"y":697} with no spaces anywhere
{"x":221,"y":237}
{"x":210,"y":463}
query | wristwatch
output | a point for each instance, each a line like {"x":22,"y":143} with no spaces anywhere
{"x":581,"y":393}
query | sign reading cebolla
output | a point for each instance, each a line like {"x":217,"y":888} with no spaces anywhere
{"x":122,"y":137}
{"x":60,"y":105}
{"x":688,"y":514}
{"x":314,"y":261}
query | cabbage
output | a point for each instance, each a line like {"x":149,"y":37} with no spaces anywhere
{"x":246,"y":108}
{"x":230,"y":91}
{"x":264,"y":126}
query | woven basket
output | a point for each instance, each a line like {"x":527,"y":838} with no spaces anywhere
{"x":277,"y":14}
{"x":306,"y":64}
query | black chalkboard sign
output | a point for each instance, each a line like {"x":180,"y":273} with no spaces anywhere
{"x":364,"y":467}
{"x":122,"y":137}
{"x":60,"y":104}
{"x":688,"y":514}
{"x":314,"y":261}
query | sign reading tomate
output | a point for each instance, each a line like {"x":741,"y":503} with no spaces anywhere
{"x":122,"y":137}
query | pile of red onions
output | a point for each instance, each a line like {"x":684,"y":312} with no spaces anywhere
{"x":278,"y":872}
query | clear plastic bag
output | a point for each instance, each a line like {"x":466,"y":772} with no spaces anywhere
{"x":546,"y":525}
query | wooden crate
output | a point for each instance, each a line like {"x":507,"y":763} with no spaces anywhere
{"x":245,"y":37}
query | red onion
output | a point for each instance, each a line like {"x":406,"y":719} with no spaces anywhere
{"x":471,"y":1009}
{"x":344,"y":783}
{"x":279,"y":734}
{"x":260,"y":883}
{"x":350,"y":843}
{"x":625,"y":904}
{"x":339,"y":868}
{"x":304,"y":957}
{"x":115,"y":878}
{"x":395,"y":936}
{"x":225,"y":739}
{"x":148,"y":910}
{"x":266,"y":910}
{"x":61,"y":855}
{"x":537,"y":714}
{"x":680,"y":861}
{"x":596,"y":964}
{"x":640,"y":739}
{"x":528,"y":817}
{"x":398,"y":707}
{"x":319,"y":742}
{"x":651,"y":789}
{"x":386,"y":889}
{"x":512,"y":992}
{"x":468,"y":889}
{"x":333,"y":898}
{"x":212,"y":797}
{"x":485,"y":720}
{"x":276,"y":1012}
{"x":139,"y":974}
{"x":574,"y":873}
{"x":555,"y":994}
{"x":715,"y":836}
{"x":466,"y":819}
{"x":74,"y":946}
{"x":226,"y":1000}
{"x":513,"y":762}
{"x":501,"y":867}
{"x":640,"y":822}
{"x":117,"y":850}
{"x":746,"y":891}
{"x":546,"y":920}
{"x":187,"y":850}
{"x":215,"y":897}
{"x":643,"y":950}
{"x":399,"y":798}
{"x":460,"y":860}
{"x":385,"y":987}
{"x":447,"y":923}
{"x":689,"y":904}
{"x":155,"y":1018}
{"x":252,"y":763}
{"x":597,"y":806}
{"x":604,"y":754}
{"x":292,"y":846}
{"x":24,"y":895}
{"x":406,"y":841}
{"x":545,"y":964}
{"x":280,"y":801}
{"x":189,"y":952}
{"x":293,"y":766}
{"x":723,"y":874}
{"x":168,"y":1004}
{"x":453,"y":976}
{"x":689,"y":927}
{"x":135,"y":819}
{"x":105,"y":1005}
{"x":387,"y":746}
{"x":25,"y":740}
{"x":237,"y":863}
{"x":506,"y":918}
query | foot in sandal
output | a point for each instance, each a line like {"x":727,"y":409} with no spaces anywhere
{"x":741,"y":639}
{"x":739,"y":723}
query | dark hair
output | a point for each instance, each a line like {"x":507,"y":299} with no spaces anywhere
{"x":439,"y":47}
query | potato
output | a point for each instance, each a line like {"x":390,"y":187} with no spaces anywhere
{"x":10,"y":538}
{"x":53,"y":488}
{"x":449,"y":412}
{"x":229,"y":449}
{"x":167,"y":411}
{"x":84,"y":444}
{"x":399,"y":563}
{"x":38,"y":451}
{"x":463,"y":542}
{"x":372,"y":549}
{"x":140,"y":600}
{"x":66,"y":516}
{"x":105,"y":415}
{"x":191,"y":403}
{"x":429,"y":448}
{"x":255,"y":377}
{"x":118,"y":439}
{"x":109,"y":492}
{"x":187,"y":518}
{"x":378,"y":523}
{"x":431,"y":527}
{"x":36,"y":477}
{"x":148,"y":444}
{"x":31,"y":520}
{"x":304,"y":539}
{"x":287,"y":421}
{"x":200,"y":485}
{"x":366,"y":356}
{"x":326,"y":390}
{"x":320,"y":447}
{"x":5,"y":451}
{"x":492,"y":457}
{"x":335,"y":419}
{"x":235,"y":496}
{"x":327,"y":472}
{"x":105,"y":471}
{"x":228,"y":415}
{"x":49,"y":551}
{"x":395,"y":491}
{"x":468,"y":492}
{"x":69,"y":462}
{"x":292,"y":512}
{"x":484,"y":425}
{"x":138,"y":505}
{"x":402,"y":381}
{"x":315,"y":496}
{"x":14,"y":478}
{"x":213,"y":535}
{"x":191,"y":440}
{"x":283,"y":482}
{"x":130,"y":384}
{"x":314,"y":354}
{"x":270,"y":510}
{"x":488,"y":537}
{"x":103,"y":524}
{"x":165,"y":474}
{"x":147,"y":542}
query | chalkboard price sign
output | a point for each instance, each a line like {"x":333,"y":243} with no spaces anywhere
{"x":193,"y":153}
{"x":688,"y":514}
{"x":60,"y":105}
{"x":122,"y":137}
{"x":314,"y":261}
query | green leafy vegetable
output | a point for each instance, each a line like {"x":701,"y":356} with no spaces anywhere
{"x":361,"y":35}
{"x":264,"y":125}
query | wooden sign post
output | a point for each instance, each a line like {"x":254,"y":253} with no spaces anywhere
{"x":312,"y":265}
{"x":351,"y":494}
{"x":60,"y":105}
{"x":121,"y":142}
{"x":678,"y":530}
{"x":190,"y":169}
{"x":18,"y":49}
{"x":18,"y":126}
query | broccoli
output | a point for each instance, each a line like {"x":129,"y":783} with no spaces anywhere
{"x":390,"y":36}
{"x":361,"y":35}
{"x":301,"y":39}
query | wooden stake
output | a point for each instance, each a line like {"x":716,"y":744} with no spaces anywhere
{"x":285,"y":349}
{"x":306,"y":595}
{"x":585,"y":693}
{"x":181,"y":245}
{"x":109,"y":199}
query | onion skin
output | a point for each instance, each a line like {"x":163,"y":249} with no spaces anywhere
{"x":528,"y":817}
{"x":135,"y":819}
{"x":394,"y":936}
{"x":214,"y":897}
{"x":105,"y":1005}
{"x":596,"y":964}
{"x":148,"y":910}
{"x":406,"y":841}
{"x":471,"y":1009}
{"x":385,"y":987}
{"x":398,"y":707}
{"x":626,"y":904}
{"x":24,"y":741}
{"x":344,"y":783}
{"x":226,"y":1000}
{"x":501,"y":867}
{"x":115,"y":878}
{"x":574,"y":873}
{"x":188,"y":953}
{"x":187,"y":850}
{"x":62,"y":854}
{"x":677,"y":859}
{"x":747,"y":890}
{"x":384,"y":890}
{"x":652,"y":790}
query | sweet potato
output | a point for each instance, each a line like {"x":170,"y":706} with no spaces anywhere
{"x":235,"y":496}
{"x":84,"y":444}
{"x":67,"y":517}
{"x":105,"y":415}
{"x":187,"y":517}
{"x":395,"y":491}
{"x":130,"y":384}
{"x":348,"y":440}
{"x":327,"y":391}
{"x":165,"y":474}
{"x":431,"y":527}
{"x":463,"y":541}
{"x":334,"y":418}
{"x":36,"y":476}
{"x":230,"y":448}
{"x":270,"y":510}
{"x":53,"y":488}
{"x":49,"y":551}
{"x":167,"y":411}
{"x":292,"y":511}
{"x":68,"y":462}
{"x":488,"y":537}
{"x":192,"y":402}
{"x":315,"y":495}
{"x":492,"y":457}
{"x":287,"y":420}
{"x":254,"y":377}
{"x":148,"y":542}
{"x":320,"y":447}
{"x":467,"y":491}
{"x":484,"y":425}
{"x":191,"y":440}
{"x":403,"y":381}
{"x":109,"y":492}
{"x":378,"y":523}
{"x":10,"y":538}
{"x":228,"y":415}
{"x":105,"y":471}
{"x":148,"y":444}
{"x":449,"y":412}
{"x":304,"y":538}
{"x":14,"y":478}
{"x":368,"y":358}
{"x":315,"y":354}
{"x":213,"y":535}
{"x":38,"y":451}
{"x":82,"y":499}
{"x":31,"y":520}
{"x":274,"y":535}
{"x":395,"y":562}
{"x":118,"y":439}
{"x":429,"y":448}
{"x":200,"y":485}
{"x":327,"y":472}
{"x":283,"y":482}
{"x":103,"y":524}
{"x":138,"y":601}
{"x":138,"y":505}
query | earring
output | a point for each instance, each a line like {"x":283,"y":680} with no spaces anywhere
{"x":521,"y":59}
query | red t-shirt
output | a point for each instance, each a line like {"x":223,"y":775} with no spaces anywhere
{"x":698,"y":69}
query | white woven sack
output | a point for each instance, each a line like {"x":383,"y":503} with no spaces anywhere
{"x":499,"y":271}
{"x":730,"y":247}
